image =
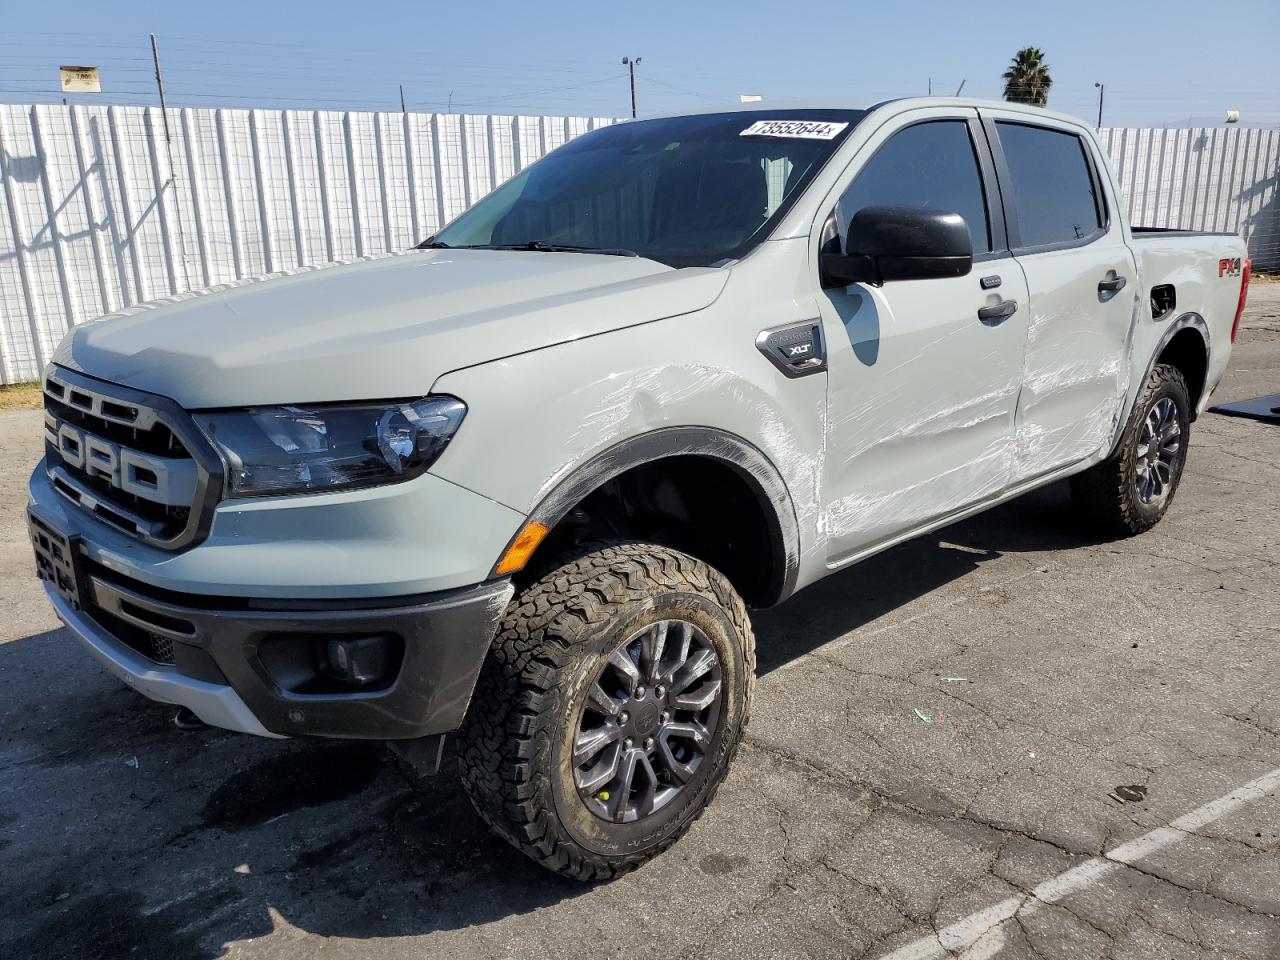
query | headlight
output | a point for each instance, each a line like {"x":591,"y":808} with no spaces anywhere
{"x":274,"y":450}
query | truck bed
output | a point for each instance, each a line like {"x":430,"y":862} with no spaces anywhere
{"x":1186,"y":273}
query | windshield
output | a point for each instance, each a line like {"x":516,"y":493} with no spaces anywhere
{"x":686,"y":191}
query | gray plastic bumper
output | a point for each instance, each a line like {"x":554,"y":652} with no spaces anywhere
{"x":215,"y":703}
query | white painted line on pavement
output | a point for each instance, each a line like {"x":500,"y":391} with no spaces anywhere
{"x":980,"y":936}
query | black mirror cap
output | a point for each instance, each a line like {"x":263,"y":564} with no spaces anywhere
{"x":901,"y":243}
{"x":840,"y":270}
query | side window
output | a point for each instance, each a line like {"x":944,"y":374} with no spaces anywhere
{"x":1052,"y":184}
{"x":930,"y":166}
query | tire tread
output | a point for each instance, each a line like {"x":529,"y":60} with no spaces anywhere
{"x":1105,"y":493}
{"x":536,"y":643}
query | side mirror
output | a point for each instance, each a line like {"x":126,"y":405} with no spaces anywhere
{"x":900,"y":243}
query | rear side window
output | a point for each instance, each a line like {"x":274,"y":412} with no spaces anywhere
{"x":928,"y":166}
{"x":1053,"y":185}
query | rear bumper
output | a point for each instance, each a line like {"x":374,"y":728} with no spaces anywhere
{"x":226,"y":665}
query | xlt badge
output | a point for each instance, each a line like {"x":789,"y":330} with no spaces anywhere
{"x":796,"y":349}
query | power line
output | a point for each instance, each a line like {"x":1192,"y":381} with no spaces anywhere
{"x":208,"y":71}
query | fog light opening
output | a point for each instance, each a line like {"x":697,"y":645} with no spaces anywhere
{"x":331,"y":664}
{"x":360,"y":661}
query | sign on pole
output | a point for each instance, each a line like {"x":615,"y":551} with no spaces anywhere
{"x":80,"y":79}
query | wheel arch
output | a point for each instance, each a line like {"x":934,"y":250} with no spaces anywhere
{"x":1186,"y":348}
{"x":727,"y":452}
{"x":1187,"y":326}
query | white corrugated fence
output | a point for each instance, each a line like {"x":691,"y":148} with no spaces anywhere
{"x":1207,"y":178}
{"x":103,"y":208}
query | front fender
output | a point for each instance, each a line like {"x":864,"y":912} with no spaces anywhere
{"x":544,"y":428}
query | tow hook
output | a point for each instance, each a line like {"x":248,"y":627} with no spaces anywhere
{"x":184,"y":719}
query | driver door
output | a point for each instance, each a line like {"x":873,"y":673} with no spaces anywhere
{"x":921,"y":391}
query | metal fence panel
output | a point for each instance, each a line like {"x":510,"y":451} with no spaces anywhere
{"x":101,"y":208}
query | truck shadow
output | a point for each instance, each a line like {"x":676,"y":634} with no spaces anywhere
{"x":1041,"y":520}
{"x":121,"y":835}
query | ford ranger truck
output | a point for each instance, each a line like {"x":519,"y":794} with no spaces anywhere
{"x":522,"y":485}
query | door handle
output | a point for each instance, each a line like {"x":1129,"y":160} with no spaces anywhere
{"x":1109,"y":287}
{"x":998,"y":313}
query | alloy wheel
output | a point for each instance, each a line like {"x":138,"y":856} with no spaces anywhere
{"x":1159,"y":447}
{"x":649,"y":718}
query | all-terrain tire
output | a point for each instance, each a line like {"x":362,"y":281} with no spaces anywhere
{"x":515,"y":749}
{"x":1108,"y":494}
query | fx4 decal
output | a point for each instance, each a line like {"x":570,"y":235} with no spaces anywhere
{"x":1229,"y":267}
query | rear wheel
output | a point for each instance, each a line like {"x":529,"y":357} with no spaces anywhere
{"x":1129,"y":492}
{"x":610,"y":708}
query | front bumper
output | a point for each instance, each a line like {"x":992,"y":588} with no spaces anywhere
{"x":224,"y":670}
{"x":258,"y":666}
{"x":214,"y":703}
{"x":205,"y":627}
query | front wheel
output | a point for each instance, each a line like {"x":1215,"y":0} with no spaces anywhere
{"x":609,"y":709}
{"x":1129,"y":492}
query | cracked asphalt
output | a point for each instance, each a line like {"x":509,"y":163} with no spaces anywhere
{"x":849,"y":827}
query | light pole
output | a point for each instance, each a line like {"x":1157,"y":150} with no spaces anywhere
{"x":1101,"y":89}
{"x":630,"y":63}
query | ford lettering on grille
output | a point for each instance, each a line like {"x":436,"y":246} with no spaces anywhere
{"x":131,"y":459}
{"x":165,"y":480}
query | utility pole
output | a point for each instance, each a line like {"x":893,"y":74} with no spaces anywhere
{"x":155,"y":58}
{"x":1101,"y":89}
{"x":630,"y":63}
{"x":402,"y":107}
{"x":173,"y":171}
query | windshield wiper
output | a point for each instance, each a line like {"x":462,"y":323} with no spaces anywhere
{"x":541,"y":246}
{"x":537,"y":246}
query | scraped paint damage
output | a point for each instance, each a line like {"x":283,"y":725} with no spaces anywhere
{"x":1003,"y":436}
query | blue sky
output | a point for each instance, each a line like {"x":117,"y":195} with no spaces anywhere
{"x":1163,"y":63}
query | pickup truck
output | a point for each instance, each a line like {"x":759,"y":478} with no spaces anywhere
{"x":522,"y":484}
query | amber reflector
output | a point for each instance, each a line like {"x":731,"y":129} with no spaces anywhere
{"x":522,"y":548}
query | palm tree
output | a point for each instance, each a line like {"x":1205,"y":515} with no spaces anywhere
{"x":1027,"y":80}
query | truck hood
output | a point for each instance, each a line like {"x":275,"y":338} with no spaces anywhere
{"x":379,"y":329}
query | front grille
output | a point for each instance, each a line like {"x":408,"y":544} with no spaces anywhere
{"x":131,"y":459}
{"x":161,"y":649}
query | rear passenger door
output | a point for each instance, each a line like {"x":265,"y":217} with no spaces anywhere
{"x":1082,"y":281}
{"x":921,"y":390}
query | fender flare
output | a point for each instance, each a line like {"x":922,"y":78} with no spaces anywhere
{"x":1186,"y":321}
{"x":749,"y":462}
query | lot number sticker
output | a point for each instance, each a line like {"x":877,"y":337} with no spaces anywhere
{"x":794,"y":129}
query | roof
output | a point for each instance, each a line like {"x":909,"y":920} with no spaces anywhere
{"x":901,"y":103}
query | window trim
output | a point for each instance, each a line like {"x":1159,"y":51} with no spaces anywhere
{"x":988,"y":181}
{"x":996,"y":213}
{"x":1009,"y":194}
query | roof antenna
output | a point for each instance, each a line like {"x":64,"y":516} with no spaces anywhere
{"x":961,"y":87}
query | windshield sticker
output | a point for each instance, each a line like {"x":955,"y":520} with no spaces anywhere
{"x":794,"y":129}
